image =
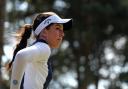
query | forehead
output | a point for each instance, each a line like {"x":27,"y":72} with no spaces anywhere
{"x":58,"y":25}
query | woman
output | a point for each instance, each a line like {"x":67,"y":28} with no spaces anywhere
{"x":31,"y":68}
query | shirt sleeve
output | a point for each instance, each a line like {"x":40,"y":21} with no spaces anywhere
{"x":17,"y":71}
{"x":27,"y":55}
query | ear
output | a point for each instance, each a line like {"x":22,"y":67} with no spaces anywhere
{"x":43,"y":34}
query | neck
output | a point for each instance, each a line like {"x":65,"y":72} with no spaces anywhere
{"x":42,"y":38}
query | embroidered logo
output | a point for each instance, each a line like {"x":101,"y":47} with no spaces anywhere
{"x":15,"y":82}
{"x":47,"y":21}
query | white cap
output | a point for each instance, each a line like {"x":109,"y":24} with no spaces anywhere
{"x":48,"y":21}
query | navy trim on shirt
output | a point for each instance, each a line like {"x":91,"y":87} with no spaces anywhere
{"x":22,"y":83}
{"x":49,"y":77}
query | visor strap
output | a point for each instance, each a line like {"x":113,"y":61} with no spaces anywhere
{"x":46,"y":22}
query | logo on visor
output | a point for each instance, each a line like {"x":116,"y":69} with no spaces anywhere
{"x":47,"y":21}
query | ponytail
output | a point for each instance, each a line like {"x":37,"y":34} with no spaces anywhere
{"x":25,"y":33}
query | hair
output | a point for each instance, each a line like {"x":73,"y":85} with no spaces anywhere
{"x":25,"y":33}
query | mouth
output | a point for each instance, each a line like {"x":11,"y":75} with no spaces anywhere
{"x":59,"y":39}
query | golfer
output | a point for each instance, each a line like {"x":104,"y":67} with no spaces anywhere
{"x":31,"y":67}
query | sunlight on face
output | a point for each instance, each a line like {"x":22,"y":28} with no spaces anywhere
{"x":55,"y":35}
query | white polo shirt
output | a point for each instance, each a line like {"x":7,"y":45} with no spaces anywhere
{"x":31,"y":62}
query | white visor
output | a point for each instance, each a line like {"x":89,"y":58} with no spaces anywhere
{"x":48,"y":21}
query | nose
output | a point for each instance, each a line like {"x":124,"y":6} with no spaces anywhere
{"x":61,"y":33}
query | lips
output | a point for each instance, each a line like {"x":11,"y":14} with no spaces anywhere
{"x":59,"y":39}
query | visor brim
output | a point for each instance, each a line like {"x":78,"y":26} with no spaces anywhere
{"x":67,"y":23}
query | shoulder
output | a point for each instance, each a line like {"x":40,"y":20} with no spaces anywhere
{"x":35,"y":52}
{"x":37,"y":48}
{"x":43,"y":48}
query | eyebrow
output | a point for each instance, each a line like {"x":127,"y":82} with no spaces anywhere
{"x":60,"y":25}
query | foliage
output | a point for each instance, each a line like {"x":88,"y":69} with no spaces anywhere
{"x":96,"y":43}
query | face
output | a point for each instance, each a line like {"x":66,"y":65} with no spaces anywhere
{"x":54,"y":35}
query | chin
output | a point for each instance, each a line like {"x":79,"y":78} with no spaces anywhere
{"x":56,"y":46}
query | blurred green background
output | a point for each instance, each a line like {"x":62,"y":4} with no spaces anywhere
{"x":94,"y":53}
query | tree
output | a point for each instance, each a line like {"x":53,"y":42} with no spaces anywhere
{"x":98,"y":25}
{"x":2,"y":19}
{"x":98,"y":28}
{"x":97,"y":22}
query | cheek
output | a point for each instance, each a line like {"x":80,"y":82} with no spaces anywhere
{"x":53,"y":37}
{"x":54,"y":40}
{"x":55,"y":34}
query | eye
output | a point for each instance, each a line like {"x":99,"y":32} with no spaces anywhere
{"x":57,"y":28}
